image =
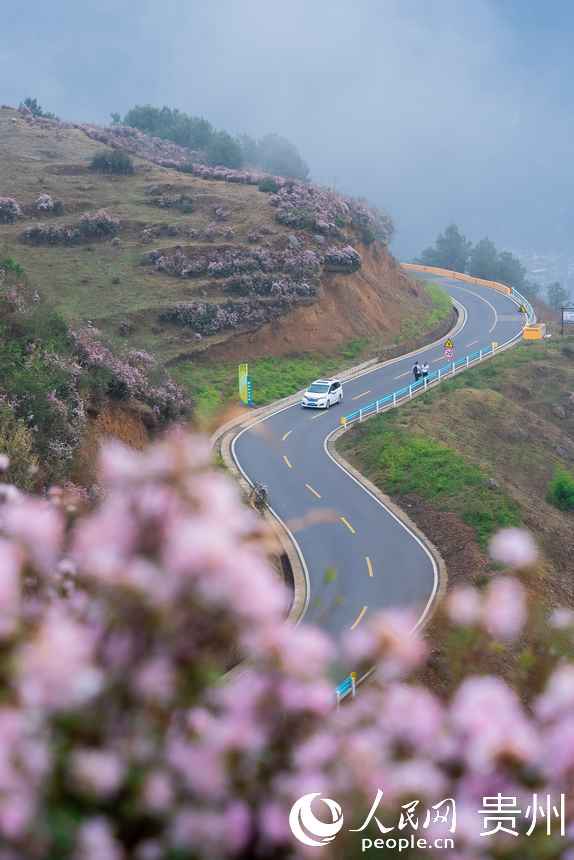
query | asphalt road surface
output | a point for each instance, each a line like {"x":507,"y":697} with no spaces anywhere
{"x":358,"y":557}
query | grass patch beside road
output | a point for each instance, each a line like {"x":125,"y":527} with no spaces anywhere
{"x":441,"y":307}
{"x":404,"y":463}
{"x":482,"y":450}
{"x":212,"y":385}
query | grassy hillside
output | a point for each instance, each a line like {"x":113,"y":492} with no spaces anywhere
{"x":290,"y":245}
{"x":480,"y":452}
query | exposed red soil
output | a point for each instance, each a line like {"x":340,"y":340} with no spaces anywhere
{"x":371,"y":302}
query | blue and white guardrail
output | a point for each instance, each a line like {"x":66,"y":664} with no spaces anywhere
{"x":348,"y":687}
{"x":436,"y":376}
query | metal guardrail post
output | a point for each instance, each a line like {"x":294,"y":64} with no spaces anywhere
{"x":394,"y":398}
{"x":480,"y":356}
{"x":410,"y":392}
{"x":438,"y":375}
{"x":360,"y":414}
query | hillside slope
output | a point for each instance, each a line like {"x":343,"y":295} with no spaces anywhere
{"x":479,"y":453}
{"x":200,"y":261}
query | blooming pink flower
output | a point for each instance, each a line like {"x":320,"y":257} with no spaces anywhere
{"x":236,"y":826}
{"x":388,"y":641}
{"x":155,"y":680}
{"x":463,"y":605}
{"x":55,"y":667}
{"x":504,"y":609}
{"x":558,"y":697}
{"x":10,"y":565}
{"x":513,"y":547}
{"x":158,"y":791}
{"x":562,"y":619}
{"x":557,"y":751}
{"x":38,"y":526}
{"x":98,"y":771}
{"x":4,"y":462}
{"x":96,"y":841}
{"x":488,"y":718}
{"x":413,"y":716}
{"x":273,"y":822}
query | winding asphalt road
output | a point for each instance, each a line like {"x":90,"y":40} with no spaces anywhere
{"x":357,"y":555}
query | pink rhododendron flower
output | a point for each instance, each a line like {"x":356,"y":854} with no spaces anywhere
{"x":56,"y":668}
{"x":97,"y":771}
{"x":96,"y":842}
{"x":558,"y":697}
{"x":504,"y":609}
{"x":10,"y":590}
{"x":389,"y":641}
{"x":513,"y":547}
{"x":463,"y":605}
{"x":158,"y":791}
{"x":562,"y":618}
{"x":38,"y":526}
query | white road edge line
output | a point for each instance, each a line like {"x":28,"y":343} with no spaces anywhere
{"x":370,"y":671}
{"x":456,"y":331}
{"x":400,"y":522}
{"x":490,"y":305}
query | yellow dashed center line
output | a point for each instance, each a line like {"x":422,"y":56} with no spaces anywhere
{"x":369,"y":565}
{"x":358,"y":618}
{"x":346,"y":522}
{"x":285,"y":435}
{"x":311,"y":490}
{"x":287,"y":462}
{"x":356,"y":397}
{"x":472,"y":343}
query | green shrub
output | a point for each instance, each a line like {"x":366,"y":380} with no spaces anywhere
{"x":268,"y":185}
{"x":561,"y":490}
{"x":9,"y":264}
{"x":113,"y":161}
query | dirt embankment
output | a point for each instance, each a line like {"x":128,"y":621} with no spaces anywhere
{"x":114,"y":421}
{"x":371,"y":302}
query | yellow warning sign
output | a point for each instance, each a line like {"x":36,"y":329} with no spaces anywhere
{"x":449,"y":344}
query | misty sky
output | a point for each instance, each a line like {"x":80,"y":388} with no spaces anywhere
{"x":436,"y":110}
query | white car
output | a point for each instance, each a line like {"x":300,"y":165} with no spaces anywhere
{"x":323,"y":393}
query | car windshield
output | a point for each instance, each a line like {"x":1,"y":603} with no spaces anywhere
{"x":318,"y":388}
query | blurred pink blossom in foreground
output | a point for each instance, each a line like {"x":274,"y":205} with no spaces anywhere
{"x":513,"y":547}
{"x":155,"y":701}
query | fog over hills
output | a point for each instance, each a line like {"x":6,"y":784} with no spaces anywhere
{"x":439,"y":111}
